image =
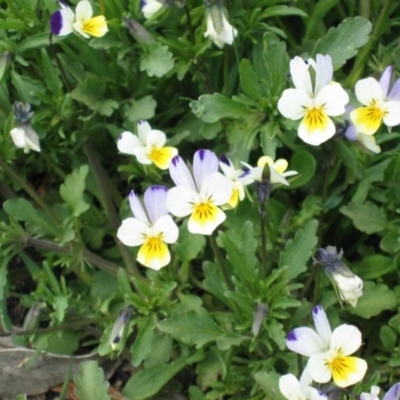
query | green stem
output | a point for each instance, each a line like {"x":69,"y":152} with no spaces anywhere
{"x":226,"y":90}
{"x":365,"y":8}
{"x":221,"y":263}
{"x":189,"y":22}
{"x":102,"y":7}
{"x":364,"y":54}
{"x":6,"y":192}
{"x":31,"y":192}
{"x":263,"y":270}
{"x":101,"y":180}
{"x":13,"y":9}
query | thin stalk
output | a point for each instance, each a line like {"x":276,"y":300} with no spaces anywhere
{"x":221,"y":263}
{"x":263,"y":269}
{"x":59,"y":65}
{"x":226,"y":72}
{"x":365,"y":8}
{"x":31,"y":192}
{"x":101,"y":180}
{"x":102,"y":7}
{"x":6,"y":191}
{"x":364,"y":54}
{"x":189,"y":23}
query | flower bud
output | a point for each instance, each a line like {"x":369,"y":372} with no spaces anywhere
{"x":348,"y":285}
{"x":259,"y":315}
{"x":119,"y":326}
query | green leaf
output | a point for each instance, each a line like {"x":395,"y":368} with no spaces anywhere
{"x":214,"y":281}
{"x":27,"y":88}
{"x":304,"y":163}
{"x":343,"y":42}
{"x":227,"y":340}
{"x":5,"y":61}
{"x":148,"y":382}
{"x":278,"y":11}
{"x":321,"y":8}
{"x":142,"y":345}
{"x":192,"y":328}
{"x":188,"y":246}
{"x":22,"y":210}
{"x":51,"y":76}
{"x":60,"y":305}
{"x":213,"y":107}
{"x":89,"y":381}
{"x":368,"y":306}
{"x":157,"y":60}
{"x":277,"y":67}
{"x":277,"y":333}
{"x":20,"y":397}
{"x":390,"y":243}
{"x":72,"y":190}
{"x":269,"y":383}
{"x":376,"y":265}
{"x":388,"y":337}
{"x":299,"y":250}
{"x":143,"y":108}
{"x":249,"y":80}
{"x":366,"y":217}
{"x":36,"y":41}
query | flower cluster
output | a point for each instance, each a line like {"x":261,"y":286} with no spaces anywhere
{"x":315,"y":101}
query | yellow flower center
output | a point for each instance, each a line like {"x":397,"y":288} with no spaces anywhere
{"x":153,"y":252}
{"x":316,"y":119}
{"x":342,"y":368}
{"x":162,"y":156}
{"x":96,"y":26}
{"x":204,"y":212}
{"x":368,"y":119}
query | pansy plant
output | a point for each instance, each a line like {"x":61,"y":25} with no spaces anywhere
{"x":65,"y":21}
{"x":329,"y":352}
{"x":199,"y":194}
{"x":148,"y":146}
{"x":313,"y":102}
{"x":152,"y":229}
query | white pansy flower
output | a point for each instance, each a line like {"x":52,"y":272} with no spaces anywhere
{"x":150,"y":7}
{"x":313,"y":103}
{"x":219,"y":30}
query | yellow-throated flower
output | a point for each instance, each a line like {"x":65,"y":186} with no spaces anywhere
{"x":151,"y":230}
{"x":329,"y":351}
{"x":199,"y":195}
{"x":148,"y":146}
{"x":313,"y":103}
{"x":65,"y":21}
{"x":380,"y":104}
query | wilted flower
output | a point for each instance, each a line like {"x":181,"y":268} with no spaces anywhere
{"x":392,"y":394}
{"x":148,"y":146}
{"x":219,"y":30}
{"x":23,"y":136}
{"x":150,"y":7}
{"x":199,"y":194}
{"x":119,"y":326}
{"x":259,"y":315}
{"x":314,"y":104}
{"x":65,"y":21}
{"x":291,"y":388}
{"x":348,"y":285}
{"x":151,"y":229}
{"x":329,"y":351}
{"x":380,"y":104}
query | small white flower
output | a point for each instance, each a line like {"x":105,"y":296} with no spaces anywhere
{"x":380,"y":104}
{"x":65,"y":21}
{"x":314,"y":104}
{"x":392,"y":394}
{"x":148,"y":146}
{"x":151,"y":229}
{"x":150,"y":7}
{"x":199,"y":194}
{"x":373,"y":395}
{"x":24,"y":137}
{"x":329,"y":351}
{"x":219,"y":30}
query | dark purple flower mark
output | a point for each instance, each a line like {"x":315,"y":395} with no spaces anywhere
{"x":291,"y":336}
{"x":56,"y":22}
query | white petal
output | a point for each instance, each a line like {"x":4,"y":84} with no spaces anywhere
{"x":142,"y":157}
{"x":180,"y":201}
{"x":304,"y":341}
{"x":31,"y":138}
{"x":290,"y":387}
{"x":323,"y":72}
{"x":385,"y":80}
{"x":301,"y":75}
{"x":319,"y":368}
{"x":83,"y":10}
{"x":156,"y":139}
{"x":318,"y":136}
{"x":369,"y":90}
{"x":322,"y":325}
{"x":345,"y":340}
{"x":217,"y":189}
{"x":150,"y":7}
{"x":144,"y":129}
{"x":154,"y":200}
{"x":392,"y":117}
{"x":18,"y":137}
{"x":180,"y":173}
{"x":167,"y":227}
{"x":333,"y":98}
{"x":293,"y":104}
{"x":275,"y":177}
{"x":368,"y":142}
{"x":205,"y":162}
{"x":132,"y":232}
{"x":128,"y":143}
{"x":227,"y":34}
{"x":137,"y":209}
{"x":227,"y":167}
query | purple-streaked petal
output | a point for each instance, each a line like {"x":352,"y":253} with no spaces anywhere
{"x":128,"y":143}
{"x":395,"y":92}
{"x":322,"y":325}
{"x":181,"y":201}
{"x":133,"y":232}
{"x":205,"y":162}
{"x":227,"y":167}
{"x":137,"y":209}
{"x":393,"y":393}
{"x":385,"y":80}
{"x":216,"y":189}
{"x":154,"y":200}
{"x":305,"y":341}
{"x":61,"y":21}
{"x":166,"y":227}
{"x":143,"y":128}
{"x":323,"y":72}
{"x":180,"y":174}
